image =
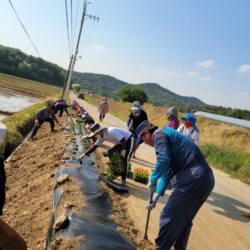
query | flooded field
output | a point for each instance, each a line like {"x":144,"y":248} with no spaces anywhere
{"x":14,"y":101}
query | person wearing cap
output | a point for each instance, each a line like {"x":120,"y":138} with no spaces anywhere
{"x":114,"y":135}
{"x":9,"y":238}
{"x":46,"y":114}
{"x":103,"y":109}
{"x":189,"y":128}
{"x":172,"y":116}
{"x":181,"y":162}
{"x":136,"y":117}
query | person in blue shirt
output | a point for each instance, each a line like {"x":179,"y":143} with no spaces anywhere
{"x":179,"y":161}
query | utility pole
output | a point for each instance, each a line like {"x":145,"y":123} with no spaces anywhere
{"x":71,"y":69}
{"x":73,"y":60}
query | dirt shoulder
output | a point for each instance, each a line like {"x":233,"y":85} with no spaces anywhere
{"x":30,"y":184}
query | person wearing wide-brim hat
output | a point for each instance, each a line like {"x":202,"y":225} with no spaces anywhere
{"x":189,"y":128}
{"x":9,"y":238}
{"x":179,"y":161}
{"x":114,"y":135}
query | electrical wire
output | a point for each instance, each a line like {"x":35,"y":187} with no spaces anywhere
{"x":71,"y":24}
{"x":77,"y":11}
{"x":24,"y":28}
{"x":67,"y":22}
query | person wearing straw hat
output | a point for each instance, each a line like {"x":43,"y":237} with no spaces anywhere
{"x":189,"y":128}
{"x":180,"y":161}
{"x":9,"y":238}
{"x":114,"y":135}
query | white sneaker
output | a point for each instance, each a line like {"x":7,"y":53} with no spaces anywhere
{"x":123,"y":182}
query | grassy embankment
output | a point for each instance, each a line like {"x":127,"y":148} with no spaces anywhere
{"x":225,"y":146}
{"x":21,"y":122}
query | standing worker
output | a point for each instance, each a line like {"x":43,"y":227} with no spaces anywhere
{"x":136,"y":117}
{"x":9,"y":238}
{"x":46,"y":114}
{"x":172,"y":116}
{"x":189,"y":128}
{"x":103,"y":109}
{"x":114,"y":135}
{"x":182,"y":162}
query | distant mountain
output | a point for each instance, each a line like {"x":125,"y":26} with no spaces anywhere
{"x":106,"y":85}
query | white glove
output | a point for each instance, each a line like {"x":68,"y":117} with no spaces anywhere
{"x":36,"y":122}
{"x":79,"y":158}
{"x":123,"y":153}
{"x":152,"y":186}
{"x":152,"y":205}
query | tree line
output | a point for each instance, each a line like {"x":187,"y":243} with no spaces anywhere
{"x":15,"y":62}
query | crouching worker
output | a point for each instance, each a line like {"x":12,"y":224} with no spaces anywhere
{"x":114,"y":135}
{"x":46,"y":114}
{"x":180,"y":160}
{"x":9,"y":238}
{"x":61,"y":106}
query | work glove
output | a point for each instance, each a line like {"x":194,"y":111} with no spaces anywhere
{"x":151,"y":205}
{"x":36,"y":122}
{"x":123,"y":153}
{"x":79,"y":158}
{"x":152,"y":186}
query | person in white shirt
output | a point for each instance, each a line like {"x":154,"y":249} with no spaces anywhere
{"x":114,"y":135}
{"x":189,"y":128}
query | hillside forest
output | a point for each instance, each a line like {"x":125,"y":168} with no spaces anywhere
{"x":15,"y":62}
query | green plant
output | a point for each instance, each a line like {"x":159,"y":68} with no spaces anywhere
{"x":115,"y":167}
{"x":140,"y":175}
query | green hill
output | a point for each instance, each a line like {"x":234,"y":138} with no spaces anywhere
{"x":105,"y":85}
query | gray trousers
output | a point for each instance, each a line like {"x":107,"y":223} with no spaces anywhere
{"x":177,"y":215}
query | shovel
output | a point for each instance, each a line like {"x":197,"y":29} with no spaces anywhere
{"x":146,"y":228}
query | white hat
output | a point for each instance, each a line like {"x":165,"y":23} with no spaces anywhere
{"x":94,"y":130}
{"x":3,"y":131}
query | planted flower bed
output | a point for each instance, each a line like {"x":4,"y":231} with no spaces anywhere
{"x":141,"y":175}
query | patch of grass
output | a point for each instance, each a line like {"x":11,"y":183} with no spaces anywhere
{"x":233,"y":162}
{"x":18,"y":126}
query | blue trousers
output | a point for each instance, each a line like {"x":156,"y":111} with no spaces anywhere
{"x":177,"y":215}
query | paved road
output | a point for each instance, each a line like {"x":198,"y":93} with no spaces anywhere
{"x":218,"y":225}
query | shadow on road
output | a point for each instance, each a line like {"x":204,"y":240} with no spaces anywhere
{"x":142,"y":162}
{"x":231,"y":207}
{"x":143,"y":193}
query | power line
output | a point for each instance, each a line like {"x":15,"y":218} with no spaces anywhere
{"x":71,"y":25}
{"x":24,"y":28}
{"x":77,"y":8}
{"x":67,"y":22}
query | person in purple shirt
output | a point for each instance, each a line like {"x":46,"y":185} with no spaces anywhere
{"x":172,"y":116}
{"x":46,"y":114}
{"x":61,"y":106}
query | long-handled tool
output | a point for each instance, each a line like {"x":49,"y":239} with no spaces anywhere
{"x":146,"y":228}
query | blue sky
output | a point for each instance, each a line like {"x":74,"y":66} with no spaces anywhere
{"x":193,"y":48}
